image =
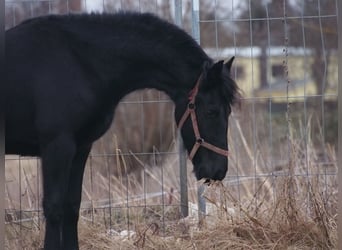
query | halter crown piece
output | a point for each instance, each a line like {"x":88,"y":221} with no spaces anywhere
{"x":191,"y":111}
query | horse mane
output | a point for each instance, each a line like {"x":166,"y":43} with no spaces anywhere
{"x":230,"y":90}
{"x":128,"y":20}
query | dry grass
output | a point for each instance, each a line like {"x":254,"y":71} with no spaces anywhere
{"x":283,"y":225}
{"x":295,"y":208}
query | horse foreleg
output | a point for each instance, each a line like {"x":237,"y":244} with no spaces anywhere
{"x":56,"y":162}
{"x":73,"y":199}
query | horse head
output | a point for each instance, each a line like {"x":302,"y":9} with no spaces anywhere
{"x":203,"y":120}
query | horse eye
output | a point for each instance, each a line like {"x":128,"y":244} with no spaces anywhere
{"x":212,"y":112}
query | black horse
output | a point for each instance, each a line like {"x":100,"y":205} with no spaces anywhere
{"x":66,"y":74}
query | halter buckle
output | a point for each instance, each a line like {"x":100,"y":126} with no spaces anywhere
{"x":199,"y":140}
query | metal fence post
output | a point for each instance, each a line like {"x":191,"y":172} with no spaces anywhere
{"x":197,"y":36}
{"x":183,"y":179}
{"x":195,"y":21}
{"x":201,"y":203}
{"x":182,"y":152}
{"x":178,"y":13}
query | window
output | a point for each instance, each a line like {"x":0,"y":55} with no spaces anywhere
{"x":277,"y":70}
{"x":238,"y":72}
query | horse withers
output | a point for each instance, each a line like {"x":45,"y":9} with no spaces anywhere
{"x":65,"y":74}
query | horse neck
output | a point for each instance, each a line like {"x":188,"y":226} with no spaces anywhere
{"x":139,"y":61}
{"x":171,"y":73}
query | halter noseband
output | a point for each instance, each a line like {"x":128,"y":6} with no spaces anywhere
{"x":190,"y":111}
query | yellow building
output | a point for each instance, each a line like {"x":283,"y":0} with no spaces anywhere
{"x":297,"y":85}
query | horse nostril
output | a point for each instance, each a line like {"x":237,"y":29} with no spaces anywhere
{"x":207,"y":181}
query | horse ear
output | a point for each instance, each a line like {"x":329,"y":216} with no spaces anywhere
{"x":212,"y":74}
{"x":217,"y":67}
{"x":209,"y":68}
{"x":229,"y":63}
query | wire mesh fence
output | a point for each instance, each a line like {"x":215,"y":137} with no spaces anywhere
{"x":285,"y":51}
{"x":285,"y":128}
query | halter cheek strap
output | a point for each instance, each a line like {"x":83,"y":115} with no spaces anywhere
{"x":190,"y":111}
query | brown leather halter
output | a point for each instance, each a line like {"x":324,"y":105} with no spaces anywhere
{"x":190,"y":111}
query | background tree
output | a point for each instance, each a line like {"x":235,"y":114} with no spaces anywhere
{"x":320,"y":34}
{"x":262,"y":27}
